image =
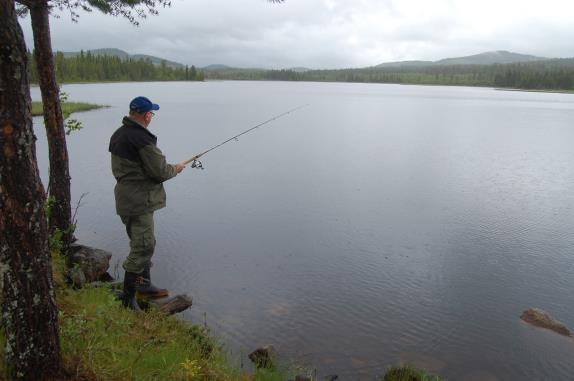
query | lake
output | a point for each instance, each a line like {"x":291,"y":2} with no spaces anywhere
{"x":379,"y":224}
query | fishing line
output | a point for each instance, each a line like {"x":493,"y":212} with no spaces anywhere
{"x":195,"y":163}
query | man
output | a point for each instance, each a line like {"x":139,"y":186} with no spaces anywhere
{"x":140,"y":169}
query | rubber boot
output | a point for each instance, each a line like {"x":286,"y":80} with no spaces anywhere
{"x":129,"y":296}
{"x":146,"y":288}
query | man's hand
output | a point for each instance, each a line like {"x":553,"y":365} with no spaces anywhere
{"x":179,"y":167}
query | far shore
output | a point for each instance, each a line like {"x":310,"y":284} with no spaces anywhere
{"x":537,"y":90}
{"x":558,"y":91}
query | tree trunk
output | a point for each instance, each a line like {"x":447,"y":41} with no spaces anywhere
{"x":60,"y":216}
{"x":29,"y":313}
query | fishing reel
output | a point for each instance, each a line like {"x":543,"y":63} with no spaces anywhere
{"x":197,"y":164}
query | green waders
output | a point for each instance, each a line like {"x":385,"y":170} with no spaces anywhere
{"x":140,"y":230}
{"x":142,"y":242}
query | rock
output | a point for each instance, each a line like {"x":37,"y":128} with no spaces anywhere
{"x":94,"y":263}
{"x":540,"y":318}
{"x":331,"y":377}
{"x":263,"y":357}
{"x":77,"y":277}
{"x":106,"y":277}
{"x":174,"y":304}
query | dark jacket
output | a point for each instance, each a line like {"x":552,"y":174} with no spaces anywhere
{"x":139,"y":168}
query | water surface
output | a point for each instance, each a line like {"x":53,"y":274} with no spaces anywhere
{"x":380,"y":224}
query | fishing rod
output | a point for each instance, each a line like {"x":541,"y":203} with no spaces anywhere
{"x":195,"y":163}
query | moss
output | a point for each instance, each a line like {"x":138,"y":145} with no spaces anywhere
{"x":3,"y":369}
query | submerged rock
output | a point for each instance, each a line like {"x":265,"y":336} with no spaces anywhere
{"x":540,"y":318}
{"x":93,"y":263}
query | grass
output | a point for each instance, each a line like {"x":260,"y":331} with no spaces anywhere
{"x":408,"y":373}
{"x":67,"y":107}
{"x":102,"y":341}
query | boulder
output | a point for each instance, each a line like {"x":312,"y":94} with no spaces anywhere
{"x":540,"y":318}
{"x":263,"y":357}
{"x":77,"y":277}
{"x":94,"y":263}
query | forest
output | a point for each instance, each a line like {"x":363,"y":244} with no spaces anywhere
{"x":555,"y":74}
{"x":87,"y":67}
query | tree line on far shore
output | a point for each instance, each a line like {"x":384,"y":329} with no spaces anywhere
{"x":88,"y":67}
{"x":556,"y":74}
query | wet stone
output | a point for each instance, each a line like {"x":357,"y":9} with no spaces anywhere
{"x":542,"y":319}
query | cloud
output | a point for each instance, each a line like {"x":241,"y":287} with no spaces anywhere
{"x":326,"y":33}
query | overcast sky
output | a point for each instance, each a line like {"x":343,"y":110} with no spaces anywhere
{"x":326,"y":33}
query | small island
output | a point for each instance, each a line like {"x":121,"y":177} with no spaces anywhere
{"x":67,"y":107}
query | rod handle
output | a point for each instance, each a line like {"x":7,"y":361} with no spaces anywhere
{"x":190,"y":160}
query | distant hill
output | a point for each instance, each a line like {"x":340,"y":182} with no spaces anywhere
{"x":299,"y":69}
{"x":405,"y":64}
{"x":125,"y":55}
{"x":487,"y":58}
{"x":157,"y":60}
{"x":217,"y":67}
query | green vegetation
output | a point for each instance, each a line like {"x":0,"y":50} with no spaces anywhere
{"x":102,"y":341}
{"x":67,"y":108}
{"x":551,"y":74}
{"x":407,"y":373}
{"x":87,"y":67}
{"x":555,"y":74}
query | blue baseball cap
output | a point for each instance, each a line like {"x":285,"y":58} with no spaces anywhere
{"x":142,"y":105}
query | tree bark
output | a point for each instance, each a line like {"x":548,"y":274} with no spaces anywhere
{"x":59,"y":184}
{"x":29,"y":312}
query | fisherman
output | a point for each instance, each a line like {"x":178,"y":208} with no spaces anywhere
{"x":140,"y":169}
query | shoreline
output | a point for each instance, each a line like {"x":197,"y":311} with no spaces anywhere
{"x":151,"y":345}
{"x":556,"y":91}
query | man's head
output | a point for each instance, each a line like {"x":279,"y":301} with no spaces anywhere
{"x":142,"y":110}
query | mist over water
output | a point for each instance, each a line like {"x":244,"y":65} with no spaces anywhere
{"x":380,"y":224}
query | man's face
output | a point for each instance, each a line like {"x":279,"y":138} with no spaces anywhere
{"x":148,"y":117}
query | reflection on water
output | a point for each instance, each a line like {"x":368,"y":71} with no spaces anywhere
{"x":381,"y":224}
